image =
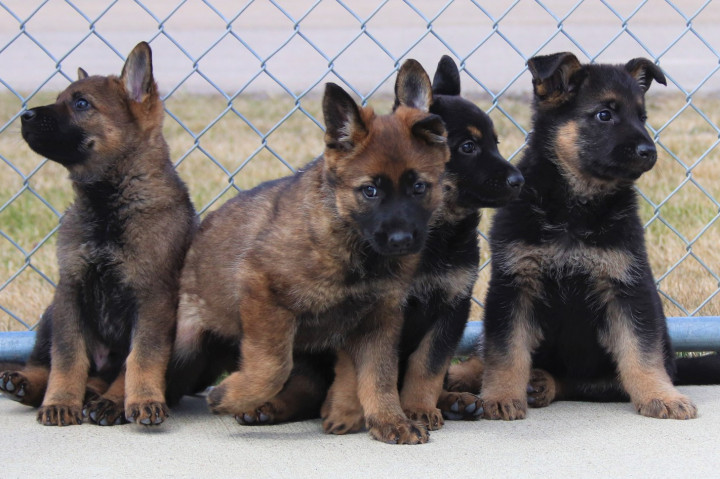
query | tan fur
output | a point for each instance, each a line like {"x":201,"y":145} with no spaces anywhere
{"x":507,"y":372}
{"x":466,"y":376}
{"x":567,"y":146}
{"x":529,"y":262}
{"x":421,"y":390}
{"x":286,"y":253}
{"x":643,"y":374}
{"x":542,"y":388}
{"x":126,"y":155}
{"x":475,"y":132}
{"x":342,"y":412}
{"x":455,"y":282}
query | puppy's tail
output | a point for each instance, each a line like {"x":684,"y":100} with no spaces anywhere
{"x":699,"y":370}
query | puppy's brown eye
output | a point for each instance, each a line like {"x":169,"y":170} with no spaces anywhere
{"x":604,"y":115}
{"x":468,"y":147}
{"x":369,"y":191}
{"x":419,"y":188}
{"x":81,"y":104}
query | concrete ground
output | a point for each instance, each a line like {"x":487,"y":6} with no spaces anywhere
{"x":568,"y":439}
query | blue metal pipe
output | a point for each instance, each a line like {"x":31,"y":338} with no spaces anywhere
{"x":701,"y":333}
{"x":687,"y":334}
{"x":16,"y":346}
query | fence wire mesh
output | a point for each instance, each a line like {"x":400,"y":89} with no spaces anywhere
{"x":242,"y":82}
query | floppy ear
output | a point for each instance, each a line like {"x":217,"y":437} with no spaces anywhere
{"x":344,"y":126}
{"x":556,"y":77}
{"x":431,"y":129}
{"x":137,"y":74}
{"x":447,"y":78}
{"x":82,"y":74}
{"x":645,"y":71}
{"x":412,"y":86}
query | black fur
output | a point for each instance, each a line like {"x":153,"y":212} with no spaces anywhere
{"x":570,"y":250}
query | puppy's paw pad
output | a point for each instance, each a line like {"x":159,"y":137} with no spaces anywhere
{"x":13,"y":384}
{"x":461,"y":406}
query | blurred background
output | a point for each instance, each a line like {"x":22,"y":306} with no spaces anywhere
{"x":242,"y":82}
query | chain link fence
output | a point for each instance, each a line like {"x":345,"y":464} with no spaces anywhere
{"x":249,"y":76}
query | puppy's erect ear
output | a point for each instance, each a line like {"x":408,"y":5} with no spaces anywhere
{"x":344,"y":126}
{"x":447,"y":78}
{"x":412,"y":86}
{"x":556,"y":77}
{"x":431,"y":129}
{"x":645,"y":71}
{"x":82,"y":74}
{"x":137,"y":73}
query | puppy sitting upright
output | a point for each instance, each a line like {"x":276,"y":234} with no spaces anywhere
{"x":321,"y":260}
{"x":121,"y":245}
{"x":571,"y":291}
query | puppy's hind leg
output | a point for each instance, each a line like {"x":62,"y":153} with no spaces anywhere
{"x":26,"y":384}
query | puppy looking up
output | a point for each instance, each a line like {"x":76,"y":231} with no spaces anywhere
{"x":103,"y":343}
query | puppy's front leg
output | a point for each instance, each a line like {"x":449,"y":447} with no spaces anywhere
{"x":374,"y":353}
{"x":69,"y":365}
{"x":266,"y":358}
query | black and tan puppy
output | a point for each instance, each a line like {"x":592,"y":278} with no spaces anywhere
{"x":438,"y":306}
{"x":571,"y":291}
{"x":104,"y":342}
{"x":321,"y":260}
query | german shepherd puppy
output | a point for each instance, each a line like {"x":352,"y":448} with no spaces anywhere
{"x":121,"y":246}
{"x":571,"y":292}
{"x":438,"y":306}
{"x":321,"y":260}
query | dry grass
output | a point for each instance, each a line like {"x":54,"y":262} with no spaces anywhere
{"x":298,"y":139}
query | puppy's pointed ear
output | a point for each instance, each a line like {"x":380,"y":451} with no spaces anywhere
{"x":344,"y":126}
{"x":447,"y":78}
{"x":556,"y":77}
{"x":430,"y":129}
{"x":412,"y":86}
{"x":137,"y":73}
{"x":645,"y":71}
{"x":82,"y":74}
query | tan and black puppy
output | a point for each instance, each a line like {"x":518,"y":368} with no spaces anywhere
{"x":438,"y":304}
{"x":104,"y":342}
{"x":321,"y":260}
{"x":571,"y":292}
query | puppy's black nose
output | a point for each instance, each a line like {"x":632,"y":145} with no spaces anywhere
{"x":646,"y":151}
{"x":516,"y":180}
{"x":28,"y":115}
{"x":400,"y":240}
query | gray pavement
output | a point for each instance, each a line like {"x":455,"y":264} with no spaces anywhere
{"x":567,"y":439}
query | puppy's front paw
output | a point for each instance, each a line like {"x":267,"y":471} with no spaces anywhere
{"x":400,"y":431}
{"x":146,"y":413}
{"x":677,"y":407}
{"x":506,"y":409}
{"x":104,"y":412}
{"x":432,"y":419}
{"x":59,"y":415}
